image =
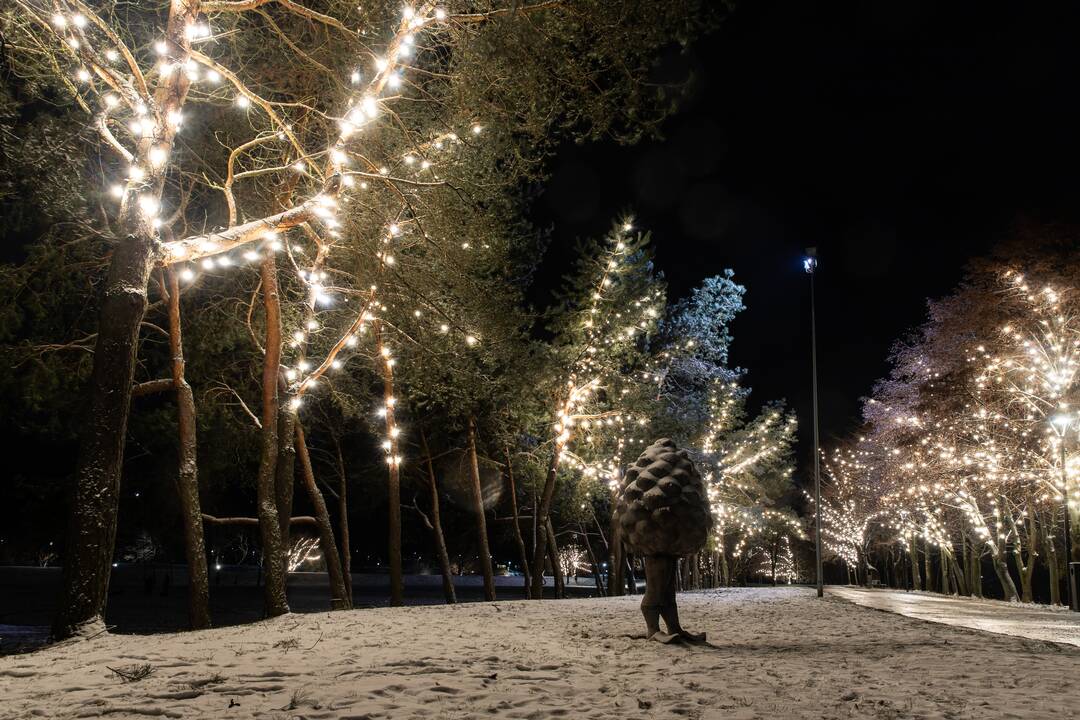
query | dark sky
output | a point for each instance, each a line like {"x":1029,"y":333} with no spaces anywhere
{"x":901,"y":139}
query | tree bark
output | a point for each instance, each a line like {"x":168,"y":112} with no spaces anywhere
{"x":91,"y":532}
{"x":595,"y":565}
{"x":481,"y":518}
{"x":1002,"y":572}
{"x":273,"y":546}
{"x":553,"y":555}
{"x":725,"y":571}
{"x":187,"y":480}
{"x":526,"y":577}
{"x":343,"y":518}
{"x":957,"y":574}
{"x":928,"y":567}
{"x":393,"y":485}
{"x":617,"y":581}
{"x":972,"y":565}
{"x":541,"y":515}
{"x":91,"y":535}
{"x":913,"y":552}
{"x":946,"y":584}
{"x":339,"y":593}
{"x":285,"y":470}
{"x":436,"y":525}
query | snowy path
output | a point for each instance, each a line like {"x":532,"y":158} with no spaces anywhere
{"x":774,"y":653}
{"x":1036,"y":622}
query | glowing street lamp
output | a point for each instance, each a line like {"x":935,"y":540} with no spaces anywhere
{"x":810,"y":264}
{"x":1061,"y":424}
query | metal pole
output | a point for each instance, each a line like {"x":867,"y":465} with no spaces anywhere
{"x":1068,"y":533}
{"x":817,"y":454}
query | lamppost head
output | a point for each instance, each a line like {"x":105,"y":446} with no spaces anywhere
{"x":809,"y":263}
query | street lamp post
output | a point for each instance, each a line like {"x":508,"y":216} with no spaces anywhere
{"x":810,"y":265}
{"x":1061,"y":423}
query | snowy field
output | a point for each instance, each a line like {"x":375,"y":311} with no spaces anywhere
{"x":773,"y":653}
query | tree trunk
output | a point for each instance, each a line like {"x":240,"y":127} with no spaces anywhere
{"x":617,"y":581}
{"x":541,"y":513}
{"x":928,"y":567}
{"x":92,"y":527}
{"x":1051,"y":558}
{"x":1055,"y":577}
{"x":1002,"y":572}
{"x":595,"y":565}
{"x":91,"y":532}
{"x":973,"y":565}
{"x":556,"y":567}
{"x":725,"y":571}
{"x":943,"y":557}
{"x":436,"y":526}
{"x":343,"y":518}
{"x":285,"y":471}
{"x":958,"y":579}
{"x":481,"y":516}
{"x":913,"y":552}
{"x":273,"y":546}
{"x":339,"y":593}
{"x":631,"y":579}
{"x":976,"y":572}
{"x":526,"y":579}
{"x":187,"y":480}
{"x":393,"y":486}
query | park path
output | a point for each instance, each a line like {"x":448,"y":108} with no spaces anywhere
{"x":1035,"y":622}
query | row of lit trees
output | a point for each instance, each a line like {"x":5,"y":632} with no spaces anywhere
{"x":326,"y":200}
{"x":970,"y":448}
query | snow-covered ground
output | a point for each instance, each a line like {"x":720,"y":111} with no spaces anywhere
{"x":773,"y":653}
{"x":1037,"y":622}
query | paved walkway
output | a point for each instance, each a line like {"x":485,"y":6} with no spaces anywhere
{"x":1037,"y":622}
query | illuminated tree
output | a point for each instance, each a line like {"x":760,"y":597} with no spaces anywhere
{"x":284,"y":137}
{"x":748,"y":466}
{"x":847,"y":506}
{"x":609,"y":310}
{"x":966,"y":449}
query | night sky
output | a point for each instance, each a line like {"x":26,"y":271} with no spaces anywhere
{"x":901,"y":139}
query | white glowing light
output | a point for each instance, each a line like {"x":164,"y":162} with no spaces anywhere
{"x":149,"y":205}
{"x":157,"y":156}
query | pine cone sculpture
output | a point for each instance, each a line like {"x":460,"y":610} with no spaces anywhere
{"x":662,"y":507}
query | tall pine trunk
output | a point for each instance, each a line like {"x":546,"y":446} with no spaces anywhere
{"x":1002,"y":572}
{"x":553,"y":556}
{"x":1052,"y":565}
{"x":592,"y":561}
{"x":913,"y":553}
{"x":518,"y":540}
{"x":187,"y":480}
{"x":273,"y":546}
{"x":343,"y":517}
{"x":91,"y":535}
{"x":285,"y":470}
{"x":339,"y":593}
{"x":928,"y":566}
{"x":481,"y":518}
{"x":436,"y":525}
{"x":617,"y":581}
{"x":541,"y":513}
